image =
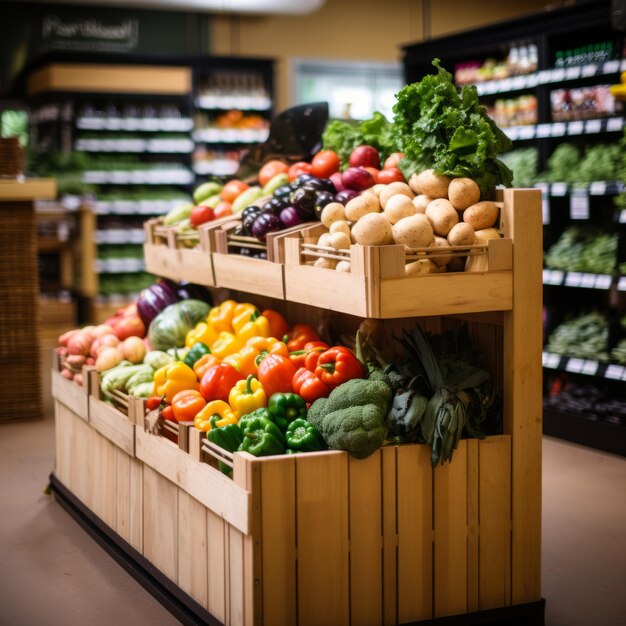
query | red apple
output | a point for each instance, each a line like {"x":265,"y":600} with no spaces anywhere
{"x":357,"y":178}
{"x":365,"y":156}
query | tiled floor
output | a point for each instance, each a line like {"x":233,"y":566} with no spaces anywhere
{"x":52,"y":572}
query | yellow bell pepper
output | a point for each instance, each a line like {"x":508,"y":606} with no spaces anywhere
{"x":244,"y":360}
{"x":172,"y":378}
{"x":244,"y":313}
{"x":262,"y":343}
{"x":203,"y":332}
{"x":220,"y":317}
{"x":218,"y":412}
{"x":258,"y":326}
{"x":247,"y":396}
{"x":226,"y":344}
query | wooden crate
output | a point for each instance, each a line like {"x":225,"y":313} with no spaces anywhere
{"x":377,"y":285}
{"x":263,"y":277}
{"x":166,"y":256}
{"x":74,"y":396}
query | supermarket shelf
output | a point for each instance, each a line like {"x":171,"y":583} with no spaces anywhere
{"x":588,"y":367}
{"x":546,"y":77}
{"x":136,"y":207}
{"x":558,"y":278}
{"x":113,"y":236}
{"x":226,"y":103}
{"x":216,"y":167}
{"x":596,"y":188}
{"x":565,"y":129}
{"x":119,"y":266}
{"x":174,"y":124}
{"x":231,"y":135}
{"x":139,"y":146}
{"x":600,"y":434}
{"x":140,"y":177}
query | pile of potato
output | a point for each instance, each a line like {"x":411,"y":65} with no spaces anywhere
{"x":432,"y":211}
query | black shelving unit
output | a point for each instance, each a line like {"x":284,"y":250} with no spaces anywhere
{"x":588,"y":205}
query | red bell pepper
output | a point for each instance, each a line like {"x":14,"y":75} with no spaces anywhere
{"x":275,"y":374}
{"x":299,"y":357}
{"x":218,"y":380}
{"x":309,"y":386}
{"x":278,"y":324}
{"x":338,"y":365}
{"x":299,"y":336}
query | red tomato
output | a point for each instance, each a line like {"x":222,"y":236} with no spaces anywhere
{"x":270,"y":169}
{"x":223,"y":209}
{"x":325,"y":163}
{"x":392,"y":160}
{"x":301,"y":167}
{"x":168,"y":413}
{"x":200,"y":215}
{"x":232,"y":189}
{"x":374,"y":172}
{"x":390,"y":175}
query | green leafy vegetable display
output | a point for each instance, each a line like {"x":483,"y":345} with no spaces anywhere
{"x":441,"y":128}
{"x":582,"y":250}
{"x":585,"y":337}
{"x":524,"y":164}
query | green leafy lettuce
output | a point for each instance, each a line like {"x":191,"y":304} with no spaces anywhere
{"x":438,"y":127}
{"x":344,"y":137}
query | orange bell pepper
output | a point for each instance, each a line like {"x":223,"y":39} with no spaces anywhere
{"x":300,"y":335}
{"x":203,"y":364}
{"x":187,"y":404}
{"x":244,"y":360}
{"x":278,"y":324}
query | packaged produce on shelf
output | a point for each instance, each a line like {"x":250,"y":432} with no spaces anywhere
{"x":581,"y":103}
{"x":520,"y":111}
{"x":597,"y":52}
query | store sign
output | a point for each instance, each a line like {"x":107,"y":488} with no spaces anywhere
{"x":89,"y":35}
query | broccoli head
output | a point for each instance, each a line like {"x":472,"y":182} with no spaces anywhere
{"x":352,"y":418}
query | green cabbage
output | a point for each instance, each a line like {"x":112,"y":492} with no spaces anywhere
{"x":170,"y":327}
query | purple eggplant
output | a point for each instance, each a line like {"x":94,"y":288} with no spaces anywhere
{"x":191,"y":291}
{"x":346,"y":195}
{"x":323,"y":198}
{"x":265,"y":223}
{"x":303,"y":200}
{"x":154,"y":299}
{"x":289,"y":217}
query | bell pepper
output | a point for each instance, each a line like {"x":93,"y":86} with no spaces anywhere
{"x":278,"y":324}
{"x":262,"y":412}
{"x":275,"y":374}
{"x":228,"y":437}
{"x":300,"y":335}
{"x":309,"y":386}
{"x":278,"y":347}
{"x":338,"y":365}
{"x":244,"y":360}
{"x":286,"y":407}
{"x":196,"y":351}
{"x":218,"y":380}
{"x":187,"y":404}
{"x":247,"y":396}
{"x":299,"y":357}
{"x":226,"y":344}
{"x":302,"y":436}
{"x":262,"y":343}
{"x":202,"y":332}
{"x":221,"y":317}
{"x":172,"y":378}
{"x":258,"y":326}
{"x":244,"y":313}
{"x":203,"y":363}
{"x":261,"y":437}
{"x":214,"y":415}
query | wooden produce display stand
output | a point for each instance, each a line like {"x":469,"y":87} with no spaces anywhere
{"x":322,"y":538}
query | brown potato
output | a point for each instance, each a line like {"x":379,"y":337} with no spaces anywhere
{"x":430,"y":184}
{"x":442,"y":215}
{"x":397,"y":207}
{"x":481,"y":215}
{"x":461,"y":234}
{"x":463,"y":192}
{"x":412,"y":232}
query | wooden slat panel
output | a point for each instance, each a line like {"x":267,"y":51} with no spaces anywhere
{"x":112,"y":424}
{"x":95,"y":472}
{"x":122,"y":501}
{"x":136,"y":504}
{"x":206,"y":484}
{"x":495,"y":522}
{"x":160,"y":518}
{"x":278,"y":523}
{"x":192,"y":548}
{"x":521,"y":217}
{"x":366,"y":536}
{"x":70,"y":394}
{"x":108,"y":484}
{"x":216,"y":566}
{"x":84,"y":439}
{"x":178,"y":264}
{"x":450,"y":514}
{"x":63,"y":436}
{"x":415,"y":533}
{"x":322,"y":537}
{"x":472,"y":525}
{"x":390,"y":536}
{"x":236,"y":577}
{"x":257,"y":276}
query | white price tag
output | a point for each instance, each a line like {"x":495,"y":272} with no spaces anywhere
{"x":597,"y":188}
{"x":588,"y":281}
{"x":558,"y":129}
{"x":545,"y":208}
{"x":615,"y":372}
{"x":603,"y":281}
{"x":615,"y":124}
{"x":593,"y":126}
{"x":575,"y":128}
{"x":557,"y":75}
{"x":621,"y":284}
{"x":519,"y":82}
{"x":574,"y":365}
{"x":544,"y":130}
{"x":506,"y":84}
{"x":579,"y":205}
{"x":589,"y":70}
{"x":512,"y":133}
{"x":622,"y":216}
{"x":558,"y":189}
{"x":572,"y":73}
{"x":550,"y":360}
{"x":573,"y":279}
{"x":544,"y":77}
{"x":590,"y":368}
{"x":552,"y":277}
{"x":611,"y":67}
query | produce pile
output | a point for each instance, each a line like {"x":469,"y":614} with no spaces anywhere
{"x":583,"y":250}
{"x":585,"y":337}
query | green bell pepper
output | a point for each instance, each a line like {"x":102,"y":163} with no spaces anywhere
{"x":286,"y":407}
{"x":261,"y":412}
{"x":196,"y":351}
{"x":261,"y":437}
{"x":228,"y":437}
{"x":302,"y":436}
